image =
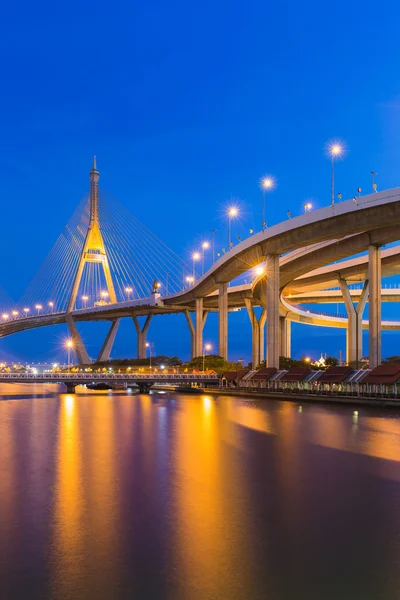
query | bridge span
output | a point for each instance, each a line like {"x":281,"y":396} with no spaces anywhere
{"x":144,"y":381}
{"x":296,"y":259}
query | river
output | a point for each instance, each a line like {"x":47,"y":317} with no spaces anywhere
{"x":183,"y":497}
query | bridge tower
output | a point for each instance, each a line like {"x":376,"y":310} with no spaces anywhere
{"x":93,"y":251}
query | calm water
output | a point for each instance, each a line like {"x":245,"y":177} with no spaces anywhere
{"x":192,"y":498}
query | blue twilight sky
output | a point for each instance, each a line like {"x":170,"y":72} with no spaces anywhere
{"x":186,"y":105}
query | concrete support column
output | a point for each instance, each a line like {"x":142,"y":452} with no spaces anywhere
{"x":199,"y":327}
{"x":354,"y":323}
{"x":273,"y":310}
{"x":79,"y":346}
{"x":375,"y":312}
{"x":257,"y":338}
{"x":141,"y":335}
{"x":285,"y":336}
{"x":262,"y":322}
{"x":223,"y":320}
{"x":192,"y":334}
{"x":109,"y":341}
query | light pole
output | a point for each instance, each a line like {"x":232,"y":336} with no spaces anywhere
{"x":26,"y":311}
{"x":206,"y":347}
{"x":190,"y":279}
{"x":15,"y":314}
{"x":148,"y":345}
{"x":38,"y":308}
{"x":373,"y":173}
{"x":129,"y":291}
{"x":307,"y":207}
{"x":51,"y":305}
{"x":69,"y":344}
{"x":195,"y":257}
{"x":205,"y":246}
{"x":104,"y":295}
{"x":85,"y":299}
{"x":232,"y":212}
{"x":267,"y":183}
{"x":213,"y":232}
{"x":335,"y":151}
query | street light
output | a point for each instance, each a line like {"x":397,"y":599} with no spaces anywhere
{"x":335,"y":150}
{"x":85,"y":299}
{"x":190,"y":279}
{"x":373,"y":173}
{"x":5,"y":316}
{"x":205,"y":246}
{"x":129,"y":291}
{"x":195,"y":257}
{"x":51,"y":304}
{"x":206,"y":347}
{"x":26,"y":311}
{"x":267,"y":184}
{"x":307,"y":207}
{"x":38,"y":308}
{"x":148,"y":345}
{"x":104,"y":294}
{"x":232,"y":213}
{"x":259,"y":270}
{"x":69,"y":344}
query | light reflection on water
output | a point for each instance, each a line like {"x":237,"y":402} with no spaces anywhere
{"x":194,"y":497}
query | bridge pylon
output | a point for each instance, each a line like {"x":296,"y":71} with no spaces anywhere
{"x":94,"y":248}
{"x":93,"y":251}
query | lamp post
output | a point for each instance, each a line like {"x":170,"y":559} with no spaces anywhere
{"x":51,"y":305}
{"x":335,"y":151}
{"x":69,"y":344}
{"x":38,"y":308}
{"x":85,"y":299}
{"x":129,"y":291}
{"x":307,"y":207}
{"x":232,"y":212}
{"x":373,"y":173}
{"x":148,"y":345}
{"x":267,"y":183}
{"x":205,"y":348}
{"x":213,"y":232}
{"x":195,"y":257}
{"x":190,"y":279}
{"x":205,"y":246}
{"x":26,"y":311}
{"x":104,"y":295}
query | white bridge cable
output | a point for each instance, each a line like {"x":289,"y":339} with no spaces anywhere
{"x":54,"y":279}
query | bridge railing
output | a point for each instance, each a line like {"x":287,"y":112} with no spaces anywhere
{"x":106,"y":376}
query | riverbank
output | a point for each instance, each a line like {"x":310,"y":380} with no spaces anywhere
{"x":297,"y":397}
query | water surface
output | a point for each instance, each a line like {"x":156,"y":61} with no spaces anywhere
{"x":188,"y":497}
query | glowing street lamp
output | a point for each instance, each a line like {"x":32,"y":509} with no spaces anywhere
{"x":38,"y":308}
{"x":206,"y":348}
{"x":259,"y":270}
{"x":51,"y":305}
{"x":85,"y":299}
{"x":148,"y":345}
{"x":129,"y":291}
{"x":5,"y":316}
{"x":307,"y":207}
{"x":195,"y":257}
{"x":205,"y":246}
{"x":26,"y":311}
{"x":335,"y":150}
{"x":267,"y":184}
{"x":104,"y":295}
{"x":190,"y":279}
{"x":232,"y":213}
{"x":69,"y":344}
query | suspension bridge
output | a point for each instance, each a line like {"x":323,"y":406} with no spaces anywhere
{"x":106,"y":265}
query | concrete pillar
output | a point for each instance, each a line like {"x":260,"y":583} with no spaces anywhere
{"x":109,"y":341}
{"x":262,"y":322}
{"x":354,"y":323}
{"x":223,"y":320}
{"x":199,"y":327}
{"x":285,"y":336}
{"x":141,"y":335}
{"x":192,"y":334}
{"x":79,"y":346}
{"x":273,"y":310}
{"x":375,"y":313}
{"x":257,"y":338}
